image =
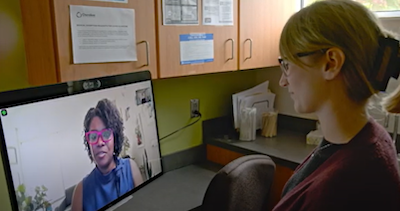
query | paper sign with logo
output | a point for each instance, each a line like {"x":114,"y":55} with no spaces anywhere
{"x":102,"y":34}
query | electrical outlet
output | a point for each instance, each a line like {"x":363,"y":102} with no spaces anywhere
{"x":194,"y":106}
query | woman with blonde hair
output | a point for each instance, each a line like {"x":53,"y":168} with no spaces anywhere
{"x":335,"y":55}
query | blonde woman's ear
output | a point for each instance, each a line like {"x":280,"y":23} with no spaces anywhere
{"x":334,"y":62}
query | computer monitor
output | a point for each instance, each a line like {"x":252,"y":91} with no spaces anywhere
{"x":88,"y":143}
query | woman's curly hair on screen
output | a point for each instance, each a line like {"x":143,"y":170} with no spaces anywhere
{"x":111,"y":118}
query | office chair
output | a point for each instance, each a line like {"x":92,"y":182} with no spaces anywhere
{"x":242,"y":185}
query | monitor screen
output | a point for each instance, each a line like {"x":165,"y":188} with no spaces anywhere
{"x":85,"y":144}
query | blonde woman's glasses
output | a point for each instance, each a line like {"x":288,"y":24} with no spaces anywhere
{"x":285,"y":65}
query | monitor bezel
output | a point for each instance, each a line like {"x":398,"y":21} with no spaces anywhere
{"x":65,"y":89}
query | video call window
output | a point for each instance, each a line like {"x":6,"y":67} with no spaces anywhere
{"x":83,"y":150}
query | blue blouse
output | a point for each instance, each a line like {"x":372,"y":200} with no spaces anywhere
{"x":99,"y":190}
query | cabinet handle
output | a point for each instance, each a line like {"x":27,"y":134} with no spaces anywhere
{"x":251,"y":48}
{"x":147,"y":52}
{"x":233,"y":48}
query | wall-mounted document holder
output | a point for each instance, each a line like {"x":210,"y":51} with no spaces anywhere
{"x":258,"y":97}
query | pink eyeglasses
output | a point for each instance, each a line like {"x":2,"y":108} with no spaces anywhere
{"x":92,"y":137}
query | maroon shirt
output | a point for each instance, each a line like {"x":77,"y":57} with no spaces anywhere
{"x":361,"y":175}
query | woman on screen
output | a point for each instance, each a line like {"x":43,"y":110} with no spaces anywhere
{"x":113,"y":176}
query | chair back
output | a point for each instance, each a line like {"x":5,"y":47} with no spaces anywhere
{"x":242,"y":185}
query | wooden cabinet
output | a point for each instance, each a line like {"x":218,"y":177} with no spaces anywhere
{"x":48,"y":43}
{"x":282,"y":174}
{"x":220,"y":155}
{"x":225,"y":46}
{"x":261,"y":23}
{"x":251,"y":42}
{"x":255,"y":35}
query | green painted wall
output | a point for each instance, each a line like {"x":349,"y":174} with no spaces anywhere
{"x":13,"y":73}
{"x":172,"y":96}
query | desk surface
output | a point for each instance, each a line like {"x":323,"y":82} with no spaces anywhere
{"x":287,"y":148}
{"x":181,"y":189}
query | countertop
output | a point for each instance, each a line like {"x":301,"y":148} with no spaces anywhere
{"x":288,"y":148}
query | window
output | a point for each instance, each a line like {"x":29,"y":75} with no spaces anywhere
{"x":382,"y":8}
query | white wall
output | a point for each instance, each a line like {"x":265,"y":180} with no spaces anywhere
{"x":48,"y":138}
{"x":392,"y":24}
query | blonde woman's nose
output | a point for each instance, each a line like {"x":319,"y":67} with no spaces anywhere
{"x":283,"y":81}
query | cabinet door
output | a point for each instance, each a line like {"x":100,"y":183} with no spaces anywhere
{"x":39,"y":42}
{"x":225,"y":46}
{"x":261,"y":23}
{"x":145,"y":34}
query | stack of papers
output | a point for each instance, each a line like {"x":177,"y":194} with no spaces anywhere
{"x":258,"y":97}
